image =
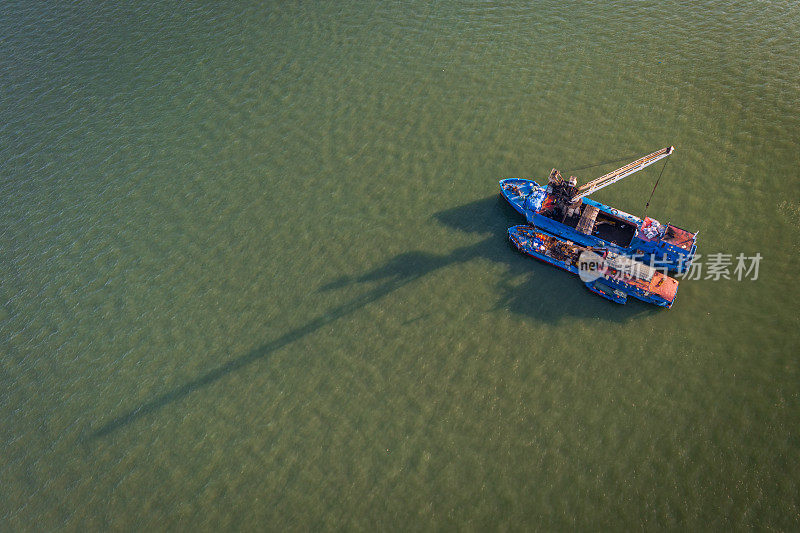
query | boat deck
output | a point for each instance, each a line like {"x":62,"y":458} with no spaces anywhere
{"x":598,"y":224}
{"x":679,"y":237}
{"x":659,"y":284}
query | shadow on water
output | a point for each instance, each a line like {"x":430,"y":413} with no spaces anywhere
{"x":544,"y":294}
{"x":531,"y":289}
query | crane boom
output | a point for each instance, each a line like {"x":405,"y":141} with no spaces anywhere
{"x":622,"y":172}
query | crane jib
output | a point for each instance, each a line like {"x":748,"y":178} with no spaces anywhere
{"x":622,"y":172}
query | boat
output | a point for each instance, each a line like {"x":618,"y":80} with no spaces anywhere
{"x":613,"y":276}
{"x":562,"y":208}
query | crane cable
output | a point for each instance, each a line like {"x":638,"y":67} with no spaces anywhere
{"x":654,"y":187}
{"x":626,"y":158}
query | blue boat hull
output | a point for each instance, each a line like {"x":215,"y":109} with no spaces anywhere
{"x":516,"y":191}
{"x":534,"y":243}
{"x":674,"y":250}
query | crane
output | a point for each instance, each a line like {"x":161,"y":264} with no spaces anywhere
{"x":622,"y":172}
{"x":567,"y":195}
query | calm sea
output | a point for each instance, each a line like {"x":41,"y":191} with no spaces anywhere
{"x":255,"y":271}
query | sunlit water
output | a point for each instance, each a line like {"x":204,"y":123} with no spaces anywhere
{"x":255,"y":273}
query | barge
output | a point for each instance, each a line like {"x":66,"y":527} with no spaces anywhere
{"x":604,"y":272}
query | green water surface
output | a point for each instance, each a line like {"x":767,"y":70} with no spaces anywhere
{"x":255,"y":271}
